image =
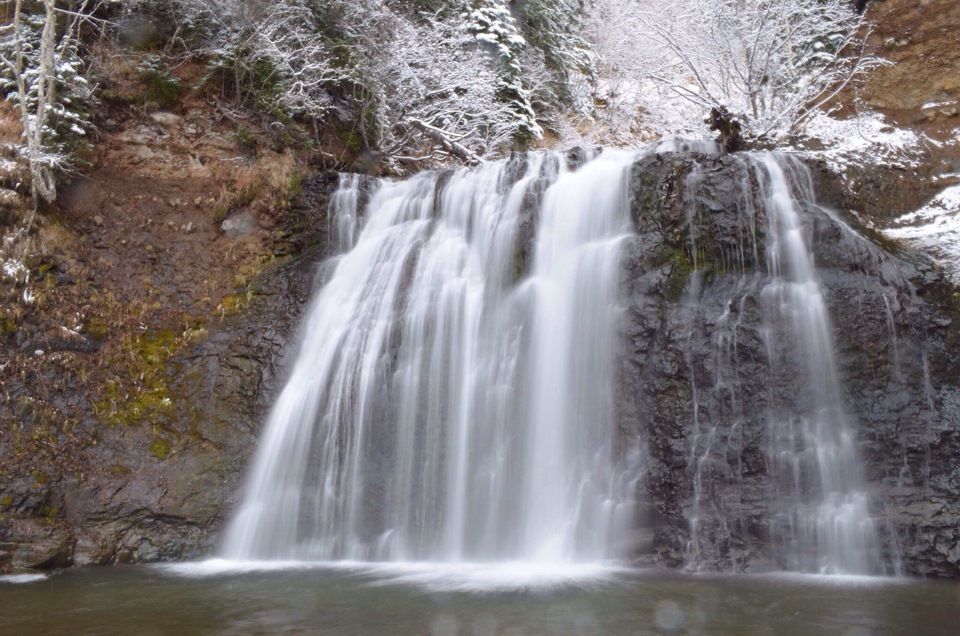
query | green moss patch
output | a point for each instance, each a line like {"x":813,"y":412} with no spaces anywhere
{"x":141,"y":394}
{"x":160,"y":447}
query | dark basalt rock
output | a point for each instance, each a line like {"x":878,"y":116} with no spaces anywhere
{"x":696,"y":267}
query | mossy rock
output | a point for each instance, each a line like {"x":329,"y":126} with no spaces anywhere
{"x":146,"y":398}
{"x":160,"y":447}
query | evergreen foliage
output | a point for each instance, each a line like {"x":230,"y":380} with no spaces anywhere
{"x":491,"y":23}
{"x":68,"y":116}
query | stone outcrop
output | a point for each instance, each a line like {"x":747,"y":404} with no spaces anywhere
{"x":160,"y":490}
{"x":691,"y":277}
{"x":696,"y":382}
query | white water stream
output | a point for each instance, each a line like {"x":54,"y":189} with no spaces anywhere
{"x":438,"y":410}
{"x":823,"y":522}
{"x":452,"y":400}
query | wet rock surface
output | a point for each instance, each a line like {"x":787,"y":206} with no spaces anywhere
{"x":694,"y":390}
{"x":696,"y":384}
{"x":142,"y":492}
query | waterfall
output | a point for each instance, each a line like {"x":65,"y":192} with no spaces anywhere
{"x":822,"y":521}
{"x":452,"y":396}
{"x":812,"y":492}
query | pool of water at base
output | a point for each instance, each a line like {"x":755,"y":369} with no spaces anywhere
{"x":454,"y":600}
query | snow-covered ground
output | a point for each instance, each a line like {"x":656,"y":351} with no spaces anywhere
{"x":934,"y":229}
{"x":870,"y":140}
{"x":863,"y":140}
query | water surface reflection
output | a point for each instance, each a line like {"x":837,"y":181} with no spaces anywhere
{"x":214,"y":598}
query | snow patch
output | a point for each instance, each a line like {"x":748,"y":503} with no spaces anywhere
{"x":13,"y":268}
{"x":848,"y":141}
{"x":935,"y":229}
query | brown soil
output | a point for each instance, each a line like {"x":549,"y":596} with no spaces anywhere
{"x":153,"y":204}
{"x":922,"y":39}
{"x":177,"y":213}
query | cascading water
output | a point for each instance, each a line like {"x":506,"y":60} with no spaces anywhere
{"x":819,"y":516}
{"x":438,"y":409}
{"x":823,"y":522}
{"x":453,"y":397}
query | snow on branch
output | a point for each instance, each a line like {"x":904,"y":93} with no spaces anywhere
{"x":40,"y":73}
{"x":771,"y":62}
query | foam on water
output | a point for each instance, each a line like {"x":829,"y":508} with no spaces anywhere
{"x":18,"y":579}
{"x":434,"y":576}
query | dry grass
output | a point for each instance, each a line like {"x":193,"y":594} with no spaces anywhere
{"x":12,"y":173}
{"x":55,"y":240}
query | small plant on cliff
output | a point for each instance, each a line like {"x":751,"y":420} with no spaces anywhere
{"x":162,"y":87}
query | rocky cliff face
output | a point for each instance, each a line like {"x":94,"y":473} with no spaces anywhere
{"x":694,"y":387}
{"x":154,"y":477}
{"x":696,"y":380}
